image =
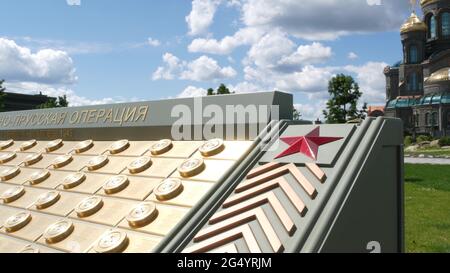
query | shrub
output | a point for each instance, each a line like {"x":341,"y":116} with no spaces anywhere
{"x":407,"y":141}
{"x":445,"y":141}
{"x":423,"y":138}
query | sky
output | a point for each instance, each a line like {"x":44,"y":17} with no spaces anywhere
{"x":110,"y":51}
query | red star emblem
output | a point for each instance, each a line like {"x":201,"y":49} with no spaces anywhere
{"x":307,"y":145}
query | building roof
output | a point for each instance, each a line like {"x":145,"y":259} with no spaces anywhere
{"x":427,"y":2}
{"x":413,"y":24}
{"x":440,"y":75}
{"x":409,"y":101}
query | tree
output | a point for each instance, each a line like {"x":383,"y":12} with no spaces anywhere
{"x":342,"y":106}
{"x":296,"y":114}
{"x":62,"y":101}
{"x":55,"y":103}
{"x":223,"y":90}
{"x":2,"y":96}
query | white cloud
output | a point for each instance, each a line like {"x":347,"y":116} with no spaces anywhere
{"x":192,"y":91}
{"x":324,"y":19}
{"x":153,"y":42}
{"x":201,"y":16}
{"x":55,"y":91}
{"x":371,"y":80}
{"x":44,"y":66}
{"x":245,"y":36}
{"x":269,"y":50}
{"x":202,"y":69}
{"x":306,"y":54}
{"x":73,"y":2}
{"x":311,"y":110}
{"x":246,"y":87}
{"x":172,"y":66}
{"x":206,"y":69}
{"x":310,"y":79}
{"x":352,"y":56}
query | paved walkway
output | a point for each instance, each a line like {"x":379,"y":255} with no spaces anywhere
{"x":434,"y":161}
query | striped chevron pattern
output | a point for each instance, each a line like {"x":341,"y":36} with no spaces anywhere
{"x":245,"y":206}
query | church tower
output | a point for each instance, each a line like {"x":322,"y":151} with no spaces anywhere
{"x":413,"y":35}
{"x":418,"y":88}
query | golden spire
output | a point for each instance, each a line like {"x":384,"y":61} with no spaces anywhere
{"x":413,"y":23}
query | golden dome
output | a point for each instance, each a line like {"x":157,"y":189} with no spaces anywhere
{"x":426,"y":2}
{"x":440,"y":75}
{"x":413,"y":24}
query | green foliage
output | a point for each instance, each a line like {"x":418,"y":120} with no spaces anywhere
{"x":2,"y":96}
{"x":222,"y":90}
{"x":408,"y":141}
{"x":55,"y":103}
{"x":62,"y":101}
{"x":445,"y":141}
{"x":423,"y":138}
{"x":296,"y":114}
{"x":342,"y":106}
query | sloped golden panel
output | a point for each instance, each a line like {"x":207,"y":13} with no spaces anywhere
{"x":103,"y":196}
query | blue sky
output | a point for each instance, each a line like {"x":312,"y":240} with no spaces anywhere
{"x":99,"y":51}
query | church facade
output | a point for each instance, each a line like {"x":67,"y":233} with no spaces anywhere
{"x":418,"y":88}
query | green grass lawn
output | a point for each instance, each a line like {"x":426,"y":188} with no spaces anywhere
{"x":431,"y":151}
{"x":427,"y":208}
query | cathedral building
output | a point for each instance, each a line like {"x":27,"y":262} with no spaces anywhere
{"x":418,"y":88}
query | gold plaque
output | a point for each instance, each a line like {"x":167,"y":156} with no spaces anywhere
{"x":119,"y":146}
{"x":114,"y":241}
{"x":168,"y":189}
{"x":161,"y":147}
{"x":32,"y":159}
{"x":89,"y":206}
{"x":212,"y":147}
{"x":6,"y":157}
{"x":62,"y":161}
{"x":47,"y":199}
{"x":83,"y":146}
{"x":6,"y":143}
{"x":140,"y":164}
{"x":39,"y":176}
{"x":142,"y":215}
{"x":54,"y":145}
{"x":73,"y":180}
{"x":12,"y":194}
{"x":28,"y":145}
{"x":97,"y":162}
{"x":17,"y":221}
{"x":116,"y":184}
{"x":191,"y":167}
{"x":58,"y":231}
{"x":30,"y":250}
{"x":9,"y":173}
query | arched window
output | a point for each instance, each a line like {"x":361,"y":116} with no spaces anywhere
{"x":427,"y":119}
{"x":413,"y":57}
{"x":434,"y":119}
{"x":433,"y":27}
{"x":445,"y":24}
{"x":413,"y":84}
